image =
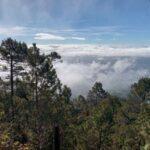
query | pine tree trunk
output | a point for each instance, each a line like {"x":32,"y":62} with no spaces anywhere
{"x":37,"y":100}
{"x":56,"y":137}
{"x":12,"y":85}
{"x":100,"y":140}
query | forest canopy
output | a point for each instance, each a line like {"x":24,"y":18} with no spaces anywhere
{"x":38,"y":112}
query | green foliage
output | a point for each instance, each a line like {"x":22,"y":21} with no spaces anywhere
{"x":96,"y":94}
{"x":17,"y":49}
{"x":99,"y":122}
{"x":142,"y":89}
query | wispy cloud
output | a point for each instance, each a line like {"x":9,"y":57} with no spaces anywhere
{"x":47,"y":36}
{"x":89,"y":35}
{"x":13,"y":31}
{"x":78,"y":38}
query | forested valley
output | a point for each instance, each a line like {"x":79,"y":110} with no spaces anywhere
{"x":38,"y":112}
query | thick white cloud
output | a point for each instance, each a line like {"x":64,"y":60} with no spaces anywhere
{"x":116,"y":76}
{"x":122,"y":65}
{"x":69,"y":50}
{"x":116,"y":67}
{"x":83,"y":65}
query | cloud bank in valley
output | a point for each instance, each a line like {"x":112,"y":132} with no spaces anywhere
{"x":82,"y":65}
{"x":117,"y":68}
{"x":116,"y":76}
{"x":70,"y":50}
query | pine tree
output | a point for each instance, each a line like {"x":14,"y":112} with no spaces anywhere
{"x":13,"y":52}
{"x":96,"y":94}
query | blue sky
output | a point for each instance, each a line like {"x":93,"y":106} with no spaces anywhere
{"x":76,"y":21}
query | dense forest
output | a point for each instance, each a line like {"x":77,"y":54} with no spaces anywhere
{"x":38,"y":112}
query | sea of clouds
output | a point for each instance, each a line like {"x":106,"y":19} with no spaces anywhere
{"x":114,"y":66}
{"x":83,"y":65}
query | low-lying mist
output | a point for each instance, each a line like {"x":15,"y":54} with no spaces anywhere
{"x":116,"y":67}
